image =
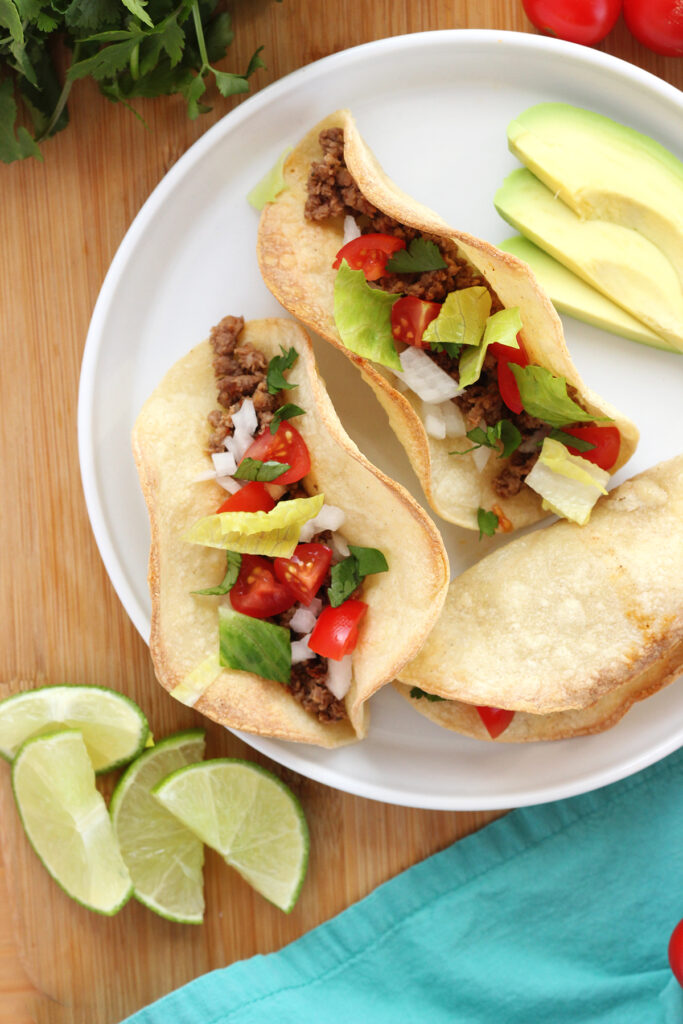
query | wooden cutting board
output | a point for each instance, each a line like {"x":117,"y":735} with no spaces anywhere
{"x":59,"y":616}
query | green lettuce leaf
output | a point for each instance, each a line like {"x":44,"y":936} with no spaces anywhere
{"x":545,"y":397}
{"x":253,"y":645}
{"x":502,"y":327}
{"x":363,"y":317}
{"x":271,"y":184}
{"x":462,"y":318}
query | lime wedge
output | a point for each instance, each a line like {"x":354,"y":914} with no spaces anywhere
{"x":113,"y":727}
{"x":250,"y":817}
{"x":164,"y":858}
{"x":67,"y":822}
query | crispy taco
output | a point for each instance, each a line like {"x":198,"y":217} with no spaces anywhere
{"x":457,"y":339}
{"x":558,"y":633}
{"x":281,"y":561}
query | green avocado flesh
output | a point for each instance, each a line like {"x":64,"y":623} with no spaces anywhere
{"x":605,"y":171}
{"x":618,"y":261}
{"x":570,"y":295}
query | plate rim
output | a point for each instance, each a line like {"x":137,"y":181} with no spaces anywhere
{"x":284,"y":753}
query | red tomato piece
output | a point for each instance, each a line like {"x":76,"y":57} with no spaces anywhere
{"x":336,"y":631}
{"x":285,"y":445}
{"x":496,"y":720}
{"x":253,"y":497}
{"x":607,"y":441}
{"x":305,"y":571}
{"x":257,"y":592}
{"x":676,"y":952}
{"x":369,"y":253}
{"x":579,"y":21}
{"x":409,"y":319}
{"x":657,"y":24}
{"x":507,"y":385}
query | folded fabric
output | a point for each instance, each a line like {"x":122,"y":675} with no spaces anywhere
{"x":559,"y":914}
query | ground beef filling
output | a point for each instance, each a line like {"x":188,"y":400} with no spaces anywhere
{"x":332,"y":192}
{"x":240,"y":371}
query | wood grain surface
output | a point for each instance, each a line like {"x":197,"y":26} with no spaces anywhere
{"x":62,"y":221}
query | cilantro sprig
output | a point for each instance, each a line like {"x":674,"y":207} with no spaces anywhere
{"x":504,"y":431}
{"x":256,"y":469}
{"x":420,"y":256}
{"x":131,"y":48}
{"x":347,"y":574}
{"x":487,"y":521}
{"x":275,"y":378}
{"x":231,"y":573}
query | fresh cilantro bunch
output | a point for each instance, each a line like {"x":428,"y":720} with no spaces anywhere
{"x":132,"y":48}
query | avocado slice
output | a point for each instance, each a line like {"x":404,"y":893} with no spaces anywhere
{"x":604,"y":170}
{"x":616,"y":260}
{"x":570,"y":295}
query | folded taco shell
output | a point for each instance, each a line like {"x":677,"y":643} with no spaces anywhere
{"x":170,"y":447}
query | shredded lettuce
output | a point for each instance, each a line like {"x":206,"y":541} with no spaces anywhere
{"x":274,"y":533}
{"x":197,"y":681}
{"x":502,"y":327}
{"x":569,"y":484}
{"x":461,"y":319}
{"x":253,"y":645}
{"x":363,"y":317}
{"x":271,"y":184}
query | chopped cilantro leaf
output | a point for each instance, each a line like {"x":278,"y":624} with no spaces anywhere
{"x":487,"y":522}
{"x":276,"y":367}
{"x":347,"y":574}
{"x":230,"y":578}
{"x":569,"y":441}
{"x":255,"y":469}
{"x":416,"y":693}
{"x":420,"y":256}
{"x":285,"y":412}
{"x":504,"y":431}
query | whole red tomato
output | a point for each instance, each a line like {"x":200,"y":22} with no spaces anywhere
{"x":657,"y":24}
{"x":676,"y":952}
{"x":579,"y":21}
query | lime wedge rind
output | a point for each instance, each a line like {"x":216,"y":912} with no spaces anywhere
{"x":67,"y":823}
{"x":114,"y":728}
{"x":165,"y":859}
{"x":263,"y":835}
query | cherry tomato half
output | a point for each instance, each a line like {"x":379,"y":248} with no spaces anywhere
{"x":305,"y":571}
{"x":496,"y":720}
{"x":336,"y":631}
{"x":257,"y":592}
{"x":676,"y":952}
{"x":579,"y":21}
{"x":657,"y":24}
{"x":607,"y":441}
{"x":253,"y":497}
{"x":369,"y":253}
{"x":409,"y":319}
{"x":285,"y":445}
{"x":507,"y":385}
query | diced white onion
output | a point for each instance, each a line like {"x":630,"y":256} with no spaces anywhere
{"x":301,"y":651}
{"x":455,"y":423}
{"x":434,"y":420}
{"x":480,"y":456}
{"x":275,"y":490}
{"x":425,"y":378}
{"x":229,"y":484}
{"x":328,"y":518}
{"x":224,"y":463}
{"x":209,"y":474}
{"x":339,"y":546}
{"x":303,"y":620}
{"x":245,"y":423}
{"x":351,"y":229}
{"x":316,"y":606}
{"x":338,"y":678}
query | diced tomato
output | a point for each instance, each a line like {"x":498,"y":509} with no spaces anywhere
{"x":369,"y":253}
{"x":253,"y":497}
{"x":409,"y":319}
{"x":676,"y":952}
{"x":336,"y":631}
{"x":607,"y":441}
{"x":496,"y":720}
{"x":285,"y":445}
{"x":507,"y":385}
{"x":305,"y":571}
{"x":257,"y":592}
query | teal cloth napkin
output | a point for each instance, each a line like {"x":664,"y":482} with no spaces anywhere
{"x":558,"y":914}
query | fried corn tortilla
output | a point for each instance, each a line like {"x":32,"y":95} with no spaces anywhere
{"x":296,"y":257}
{"x":568,"y":626}
{"x":170,"y":447}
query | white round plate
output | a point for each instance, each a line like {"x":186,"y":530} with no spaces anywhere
{"x":434,"y":107}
